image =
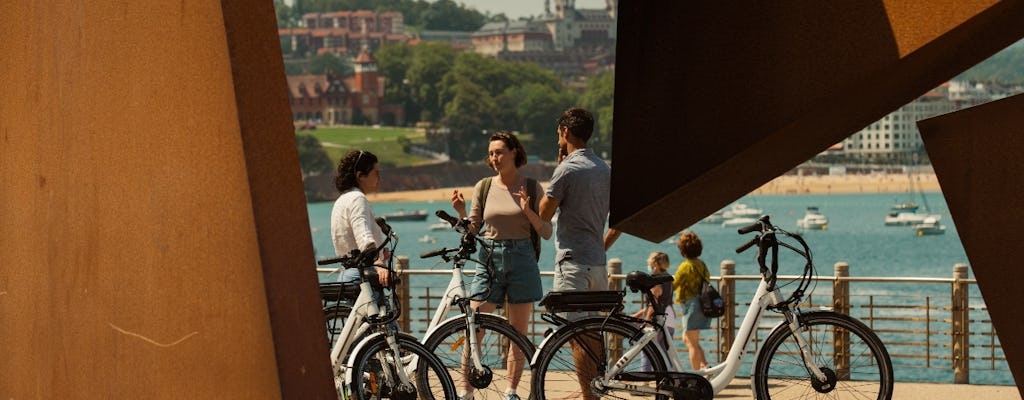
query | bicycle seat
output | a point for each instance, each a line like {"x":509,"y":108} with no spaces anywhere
{"x":642,"y":281}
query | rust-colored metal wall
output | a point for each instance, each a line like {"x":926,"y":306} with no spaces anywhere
{"x":153,"y":235}
{"x":976,"y":155}
{"x":745,"y":91}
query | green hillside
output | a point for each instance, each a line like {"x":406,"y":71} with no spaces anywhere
{"x":382,"y":141}
{"x":1006,"y":66}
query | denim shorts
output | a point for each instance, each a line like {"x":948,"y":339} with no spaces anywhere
{"x":516,"y":275}
{"x":693,"y":315}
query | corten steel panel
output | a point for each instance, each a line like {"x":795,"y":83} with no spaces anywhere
{"x":976,"y":155}
{"x":279,"y":202}
{"x":716,"y":98}
{"x":136,"y":227}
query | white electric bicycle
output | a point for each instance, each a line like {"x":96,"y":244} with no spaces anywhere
{"x":370,"y":359}
{"x":811,"y":354}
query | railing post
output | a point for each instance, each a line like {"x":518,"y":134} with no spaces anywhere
{"x":961,"y":326}
{"x":841,"y":305}
{"x":727,"y":324}
{"x":615,"y":268}
{"x":403,"y":293}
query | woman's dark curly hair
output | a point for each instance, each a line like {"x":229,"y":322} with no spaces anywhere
{"x":356,"y":161}
{"x":511,"y":143}
{"x":689,"y":245}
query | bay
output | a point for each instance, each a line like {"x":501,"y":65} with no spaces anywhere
{"x":856,"y":234}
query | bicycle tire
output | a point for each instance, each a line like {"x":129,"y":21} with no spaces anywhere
{"x":449,"y":343}
{"x":431,"y":381}
{"x":555,"y":374}
{"x":779,"y":372}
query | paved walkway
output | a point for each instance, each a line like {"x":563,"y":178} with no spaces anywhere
{"x":740,"y":389}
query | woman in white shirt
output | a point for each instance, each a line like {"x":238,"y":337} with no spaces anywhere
{"x":353,"y":224}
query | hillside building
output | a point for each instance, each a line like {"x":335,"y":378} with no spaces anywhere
{"x":344,"y":33}
{"x":569,"y":41}
{"x":329,"y":99}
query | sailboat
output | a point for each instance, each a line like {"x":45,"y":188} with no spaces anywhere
{"x":909,"y":213}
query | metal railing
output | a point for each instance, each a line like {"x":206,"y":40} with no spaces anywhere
{"x":927,"y":324}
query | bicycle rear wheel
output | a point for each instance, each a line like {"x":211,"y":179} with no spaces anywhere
{"x":599,"y":342}
{"x":497,"y":339}
{"x":852,"y":357}
{"x":375,"y":362}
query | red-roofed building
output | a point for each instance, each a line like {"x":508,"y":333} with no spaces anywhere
{"x":329,"y":99}
{"x":345,"y":32}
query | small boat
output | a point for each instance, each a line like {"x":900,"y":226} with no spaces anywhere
{"x":813,"y":219}
{"x":427,"y":239}
{"x":740,"y":210}
{"x":716,"y":217}
{"x":741,"y":221}
{"x":930,"y":226}
{"x":908,"y":218}
{"x":440,"y":226}
{"x":419,"y":215}
{"x":908,"y":206}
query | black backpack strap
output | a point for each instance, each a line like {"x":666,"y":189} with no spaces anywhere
{"x":531,"y":191}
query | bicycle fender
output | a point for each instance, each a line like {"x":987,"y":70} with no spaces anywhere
{"x":355,"y":350}
{"x":565,"y":330}
{"x":457,"y":317}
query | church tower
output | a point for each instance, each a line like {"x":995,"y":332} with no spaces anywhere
{"x":366,"y":87}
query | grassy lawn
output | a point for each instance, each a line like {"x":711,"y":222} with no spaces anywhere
{"x":383,"y":142}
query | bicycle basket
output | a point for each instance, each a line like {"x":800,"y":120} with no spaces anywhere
{"x":599,"y":300}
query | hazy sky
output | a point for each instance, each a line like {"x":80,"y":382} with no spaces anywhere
{"x":521,"y":8}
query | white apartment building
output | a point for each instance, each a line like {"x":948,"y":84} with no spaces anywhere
{"x":895,"y":137}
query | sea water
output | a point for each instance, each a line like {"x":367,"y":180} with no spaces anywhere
{"x":855,"y":234}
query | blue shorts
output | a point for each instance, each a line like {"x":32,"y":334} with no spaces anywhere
{"x":516,"y":275}
{"x":693,"y":315}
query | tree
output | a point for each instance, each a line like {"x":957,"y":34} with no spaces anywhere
{"x":468,"y":116}
{"x":535,"y":107}
{"x":598,"y":97}
{"x":430,"y":63}
{"x":312,"y":157}
{"x":323,"y":63}
{"x":392,"y":63}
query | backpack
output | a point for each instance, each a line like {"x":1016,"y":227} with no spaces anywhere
{"x":711,"y":302}
{"x":531,"y":190}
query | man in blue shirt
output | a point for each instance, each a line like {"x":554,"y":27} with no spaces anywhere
{"x":580,"y":191}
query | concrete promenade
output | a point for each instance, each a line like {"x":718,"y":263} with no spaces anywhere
{"x":740,"y":389}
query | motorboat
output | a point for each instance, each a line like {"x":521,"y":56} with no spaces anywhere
{"x":930,"y":226}
{"x":440,"y":226}
{"x":716,"y":217}
{"x":740,"y":210}
{"x":907,"y":206}
{"x":908,"y":218}
{"x":813,"y":220}
{"x":741,"y":221}
{"x":419,"y":215}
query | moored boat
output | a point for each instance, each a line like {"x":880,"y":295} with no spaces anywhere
{"x":813,"y":220}
{"x":418,"y":215}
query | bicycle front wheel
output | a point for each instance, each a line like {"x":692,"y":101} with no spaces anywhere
{"x":577,"y":354}
{"x":852,"y":357}
{"x":375,"y":363}
{"x":504,"y":353}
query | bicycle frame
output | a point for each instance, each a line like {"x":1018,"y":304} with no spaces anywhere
{"x":456,"y":290}
{"x":356,"y":326}
{"x":722,"y":373}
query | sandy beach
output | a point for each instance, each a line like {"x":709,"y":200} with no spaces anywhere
{"x":786,"y":184}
